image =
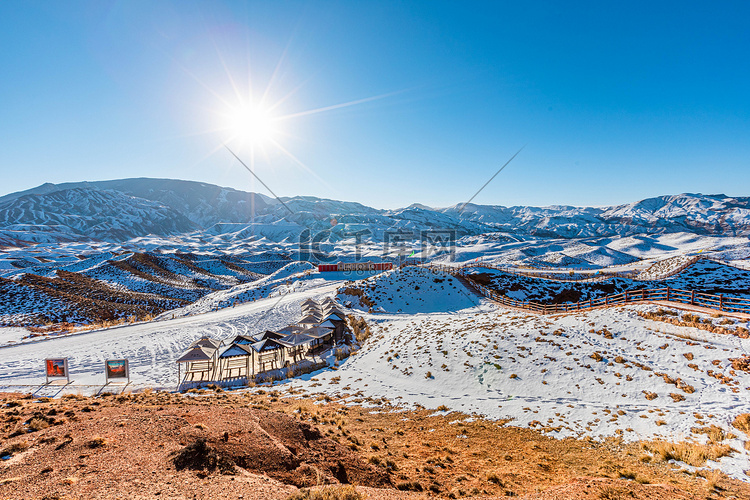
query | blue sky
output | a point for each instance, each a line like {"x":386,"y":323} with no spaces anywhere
{"x":613,"y":101}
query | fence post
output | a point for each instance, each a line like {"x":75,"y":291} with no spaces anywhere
{"x":721,"y":302}
{"x":668,"y":294}
{"x":643,"y":295}
{"x":692,"y":297}
{"x":626,"y":295}
{"x":606,"y":300}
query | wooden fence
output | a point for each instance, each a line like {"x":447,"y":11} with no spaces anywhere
{"x":563,"y":276}
{"x":604,"y":273}
{"x":675,"y":295}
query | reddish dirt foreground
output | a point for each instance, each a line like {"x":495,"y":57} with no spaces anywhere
{"x":611,"y":489}
{"x":258,"y":447}
{"x":92,"y":450}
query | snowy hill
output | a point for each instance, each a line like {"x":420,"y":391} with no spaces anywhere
{"x":83,"y":213}
{"x":409,"y":290}
{"x":109,"y":287}
{"x":703,"y":275}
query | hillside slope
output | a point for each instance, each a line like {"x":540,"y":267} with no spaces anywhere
{"x":109,"y":287}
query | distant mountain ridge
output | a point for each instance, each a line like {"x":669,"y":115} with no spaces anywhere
{"x":119,"y":210}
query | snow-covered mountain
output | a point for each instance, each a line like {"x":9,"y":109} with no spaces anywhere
{"x":203,"y":204}
{"x":84,"y":213}
{"x":715,"y":215}
{"x":120,"y":210}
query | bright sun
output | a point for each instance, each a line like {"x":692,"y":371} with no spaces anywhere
{"x":253,"y":124}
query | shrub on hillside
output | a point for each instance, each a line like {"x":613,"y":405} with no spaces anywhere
{"x":742,"y":422}
{"x":360,"y":328}
{"x":694,"y":454}
{"x":329,"y":493}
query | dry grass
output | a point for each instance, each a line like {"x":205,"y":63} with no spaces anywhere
{"x":615,"y":493}
{"x":360,"y":328}
{"x":329,"y":493}
{"x":712,"y":477}
{"x":15,"y":448}
{"x":715,"y":434}
{"x":694,"y":321}
{"x":38,"y":424}
{"x":650,"y":395}
{"x":409,"y":486}
{"x":364,"y":299}
{"x":694,"y":454}
{"x":97,"y":442}
{"x":741,"y":363}
{"x":691,"y":318}
{"x":494,"y":478}
{"x":742,"y":422}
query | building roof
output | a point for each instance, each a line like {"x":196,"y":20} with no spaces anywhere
{"x":318,"y":332}
{"x":235,"y":350}
{"x":333,"y":309}
{"x":196,"y":353}
{"x":266,"y":345}
{"x":327,"y":324}
{"x":287,"y":330}
{"x":243,"y":339}
{"x":268,"y":334}
{"x":296,"y":340}
{"x":207,"y":342}
{"x":334,"y":317}
{"x":309,"y":320}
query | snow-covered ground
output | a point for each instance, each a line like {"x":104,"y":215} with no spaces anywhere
{"x":409,"y":290}
{"x":294,"y":277}
{"x":151,"y":348}
{"x":539,"y":371}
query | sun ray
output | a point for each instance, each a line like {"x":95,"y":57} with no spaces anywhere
{"x":288,"y":95}
{"x":254,"y":121}
{"x":232,"y":82}
{"x":198,"y":80}
{"x":301,"y":164}
{"x":277,"y":69}
{"x":341,"y":105}
{"x":207,"y":156}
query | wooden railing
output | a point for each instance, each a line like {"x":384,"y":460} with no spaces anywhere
{"x":667,"y":294}
{"x":563,"y":276}
{"x":604,"y":273}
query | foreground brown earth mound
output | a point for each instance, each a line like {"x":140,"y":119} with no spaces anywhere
{"x":270,"y":443}
{"x":102,"y":448}
{"x":262,"y":445}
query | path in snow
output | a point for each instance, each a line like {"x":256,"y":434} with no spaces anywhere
{"x":152,"y":348}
